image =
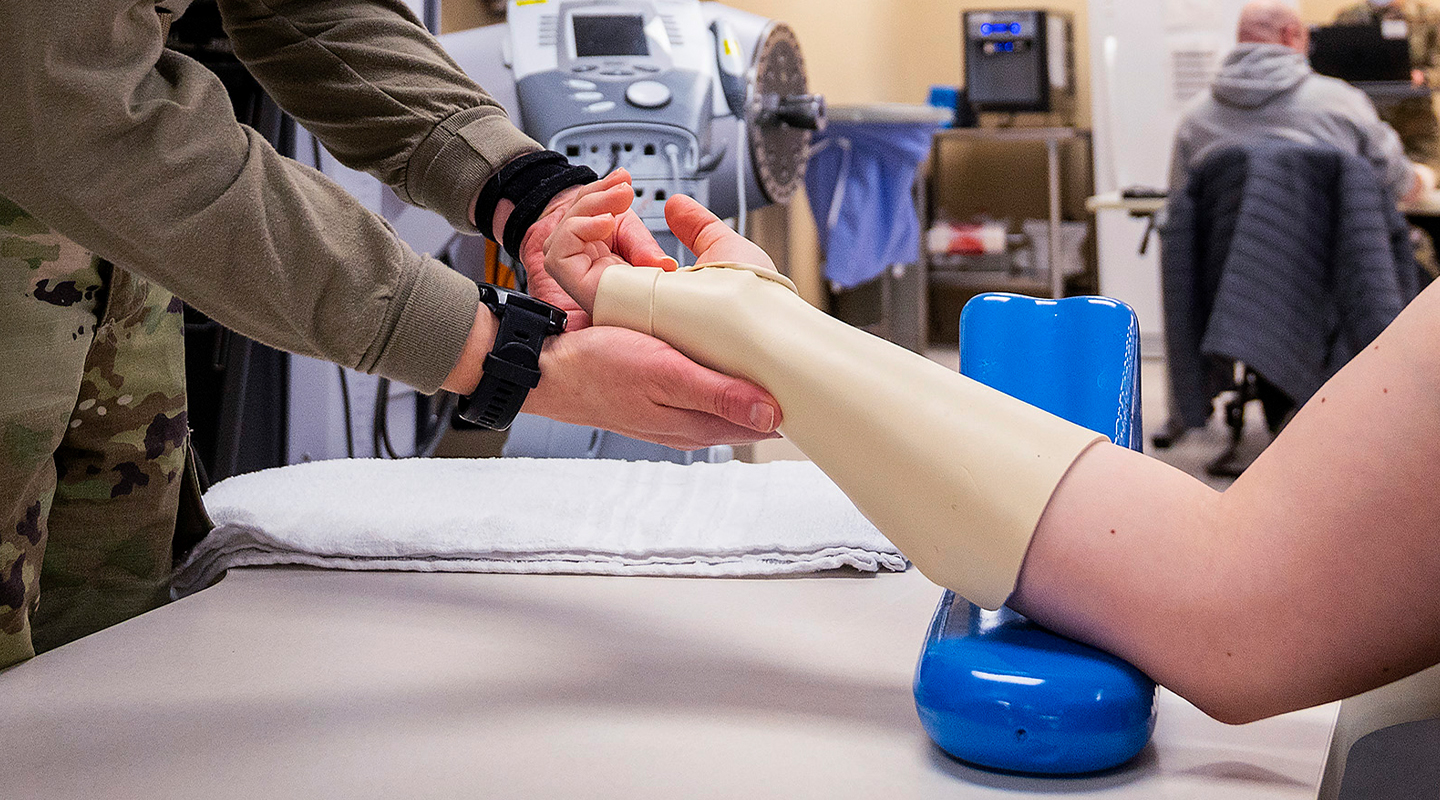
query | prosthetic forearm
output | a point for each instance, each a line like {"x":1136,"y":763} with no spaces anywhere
{"x":953,"y":472}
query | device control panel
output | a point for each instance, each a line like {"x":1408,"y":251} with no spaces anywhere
{"x":620,"y":83}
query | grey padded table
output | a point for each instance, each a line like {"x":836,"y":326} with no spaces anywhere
{"x":281,"y":683}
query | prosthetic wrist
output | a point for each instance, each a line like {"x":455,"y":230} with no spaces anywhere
{"x":955,"y":473}
{"x":530,"y":182}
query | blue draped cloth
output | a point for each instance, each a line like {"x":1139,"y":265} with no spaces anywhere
{"x":875,"y":224}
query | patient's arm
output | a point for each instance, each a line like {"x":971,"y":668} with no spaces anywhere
{"x":956,"y":474}
{"x":1313,"y":578}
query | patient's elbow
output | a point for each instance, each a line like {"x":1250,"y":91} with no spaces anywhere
{"x":1237,"y":690}
{"x":1235,"y":707}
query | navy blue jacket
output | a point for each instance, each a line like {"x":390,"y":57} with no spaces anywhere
{"x":1286,"y":257}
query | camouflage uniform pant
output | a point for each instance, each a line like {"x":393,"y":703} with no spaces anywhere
{"x":93,"y":439}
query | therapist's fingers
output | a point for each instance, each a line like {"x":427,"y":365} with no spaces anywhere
{"x":690,"y":387}
{"x":701,"y":430}
{"x":639,"y":386}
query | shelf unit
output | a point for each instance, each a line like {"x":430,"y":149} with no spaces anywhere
{"x":959,"y":180}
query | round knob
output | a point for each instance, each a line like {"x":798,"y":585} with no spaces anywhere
{"x":647,"y":94}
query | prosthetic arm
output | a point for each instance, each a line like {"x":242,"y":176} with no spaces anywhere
{"x":955,"y":473}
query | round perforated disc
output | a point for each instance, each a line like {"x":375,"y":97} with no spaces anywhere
{"x":778,"y":151}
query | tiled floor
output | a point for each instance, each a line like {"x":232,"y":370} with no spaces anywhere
{"x":1191,"y":454}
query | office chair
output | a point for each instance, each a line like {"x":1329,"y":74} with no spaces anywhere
{"x":1245,"y":385}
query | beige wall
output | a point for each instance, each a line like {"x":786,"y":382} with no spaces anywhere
{"x":1319,"y":12}
{"x":862,"y":51}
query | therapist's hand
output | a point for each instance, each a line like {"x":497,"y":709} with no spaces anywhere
{"x":629,"y":240}
{"x":630,"y":383}
{"x":637,"y":385}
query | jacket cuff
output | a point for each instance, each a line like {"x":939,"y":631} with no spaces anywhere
{"x":435,"y":319}
{"x":448,"y":168}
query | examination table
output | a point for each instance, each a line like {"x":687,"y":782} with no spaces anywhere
{"x":291,"y":682}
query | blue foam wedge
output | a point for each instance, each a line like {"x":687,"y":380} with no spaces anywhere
{"x":992,"y":688}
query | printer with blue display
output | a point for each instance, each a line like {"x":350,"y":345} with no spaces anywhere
{"x":1018,"y":61}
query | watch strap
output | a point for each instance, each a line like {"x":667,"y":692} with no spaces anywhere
{"x":512,"y":368}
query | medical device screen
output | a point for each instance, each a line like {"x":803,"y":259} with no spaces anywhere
{"x":610,"y":36}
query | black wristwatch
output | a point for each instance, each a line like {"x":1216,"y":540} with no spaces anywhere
{"x":512,"y":368}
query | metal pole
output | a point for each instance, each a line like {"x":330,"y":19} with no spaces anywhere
{"x":1057,"y":273}
{"x":921,"y":188}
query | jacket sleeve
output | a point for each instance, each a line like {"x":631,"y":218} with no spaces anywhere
{"x":133,"y":151}
{"x":1380,"y":145}
{"x":1179,"y":161}
{"x":369,"y":80}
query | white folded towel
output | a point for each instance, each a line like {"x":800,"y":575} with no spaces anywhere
{"x":537,"y":515}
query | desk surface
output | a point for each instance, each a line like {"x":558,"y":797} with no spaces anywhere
{"x":284,"y":683}
{"x":1427,"y":206}
{"x":1012,"y":134}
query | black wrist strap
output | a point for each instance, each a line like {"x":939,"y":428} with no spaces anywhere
{"x":528,"y":169}
{"x":530,"y":182}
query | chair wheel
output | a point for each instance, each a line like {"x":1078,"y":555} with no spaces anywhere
{"x":1169,"y":437}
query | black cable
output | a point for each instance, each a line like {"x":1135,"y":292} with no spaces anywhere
{"x":315,"y":152}
{"x":433,"y":428}
{"x":381,"y":427}
{"x":230,"y":434}
{"x":345,"y":401}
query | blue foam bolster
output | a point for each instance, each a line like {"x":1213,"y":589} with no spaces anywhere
{"x":993,"y":688}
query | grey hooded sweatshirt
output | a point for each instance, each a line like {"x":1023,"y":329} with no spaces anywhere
{"x":1269,"y":90}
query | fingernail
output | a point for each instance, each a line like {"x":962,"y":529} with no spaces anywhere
{"x":762,"y":417}
{"x":674,"y":265}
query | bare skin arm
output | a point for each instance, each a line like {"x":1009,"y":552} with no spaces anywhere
{"x":1311,"y":579}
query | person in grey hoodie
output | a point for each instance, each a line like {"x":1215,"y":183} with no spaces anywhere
{"x":1267,"y":89}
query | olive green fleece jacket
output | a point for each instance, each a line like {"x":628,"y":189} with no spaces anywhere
{"x":133,"y":151}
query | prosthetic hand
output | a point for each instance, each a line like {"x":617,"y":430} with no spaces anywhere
{"x":954,"y":473}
